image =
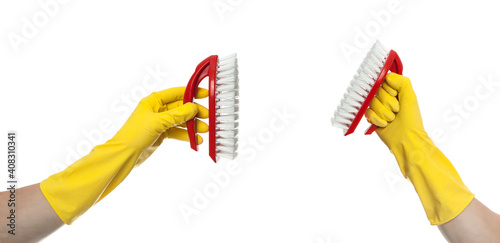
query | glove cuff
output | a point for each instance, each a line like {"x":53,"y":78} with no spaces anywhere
{"x":438,"y":185}
{"x":74,"y":190}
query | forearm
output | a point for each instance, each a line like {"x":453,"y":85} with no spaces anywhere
{"x":34,"y":217}
{"x":476,"y":223}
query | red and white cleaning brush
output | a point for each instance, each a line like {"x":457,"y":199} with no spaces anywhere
{"x":223,"y":105}
{"x":364,"y":85}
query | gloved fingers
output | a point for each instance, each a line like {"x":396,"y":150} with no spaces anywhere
{"x":396,"y":81}
{"x":177,"y":115}
{"x":403,"y":86}
{"x":182,"y":135}
{"x":174,"y":94}
{"x":389,"y":90}
{"x":388,"y":100}
{"x":201,"y":127}
{"x":374,"y":118}
{"x":173,"y":104}
{"x":201,"y":93}
{"x":202,"y":110}
{"x":381,"y":110}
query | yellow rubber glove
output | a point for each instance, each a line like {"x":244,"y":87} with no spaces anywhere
{"x":74,"y":190}
{"x":438,"y":185}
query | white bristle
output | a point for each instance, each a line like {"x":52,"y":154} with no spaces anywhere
{"x":342,"y":120}
{"x":226,"y":96}
{"x":346,"y":115}
{"x":225,"y":103}
{"x":226,"y":149}
{"x":357,"y":97}
{"x":348,"y":107}
{"x":227,"y":107}
{"x":226,"y":68}
{"x":362,"y":83}
{"x":226,"y":87}
{"x":227,"y":80}
{"x":227,"y":118}
{"x":367,"y":80}
{"x":227,"y":133}
{"x":360,"y":86}
{"x":227,"y":125}
{"x":229,"y":110}
{"x":227,"y":155}
{"x":230,"y":142}
{"x":358,"y":89}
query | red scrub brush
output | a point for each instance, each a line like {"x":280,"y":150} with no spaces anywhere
{"x":364,"y":85}
{"x":223,"y":105}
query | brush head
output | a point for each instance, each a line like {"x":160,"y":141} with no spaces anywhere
{"x":226,"y":100}
{"x":361,"y":90}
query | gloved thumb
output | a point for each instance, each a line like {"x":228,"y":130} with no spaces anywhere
{"x":178,"y":115}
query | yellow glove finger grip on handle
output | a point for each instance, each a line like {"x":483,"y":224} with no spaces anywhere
{"x":74,"y":190}
{"x":438,"y":185}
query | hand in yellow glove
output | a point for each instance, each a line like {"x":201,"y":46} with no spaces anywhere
{"x":440,"y":189}
{"x":74,"y":190}
{"x":161,"y":115}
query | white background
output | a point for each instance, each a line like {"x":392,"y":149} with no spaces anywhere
{"x":306,"y":183}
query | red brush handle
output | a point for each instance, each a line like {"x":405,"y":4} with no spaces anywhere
{"x":206,"y":68}
{"x":211,"y":111}
{"x":393,"y":64}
